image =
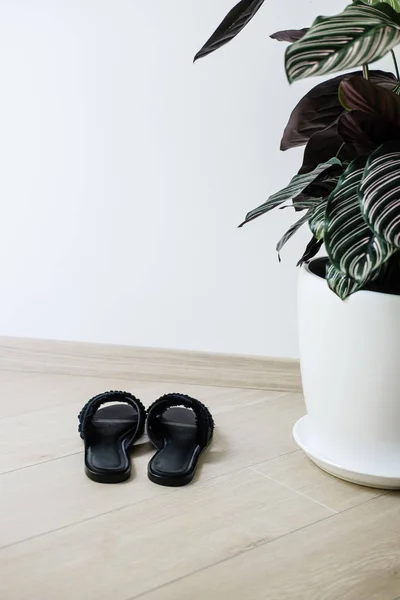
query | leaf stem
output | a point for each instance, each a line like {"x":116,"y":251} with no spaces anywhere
{"x":365,"y":67}
{"x":340,"y":149}
{"x":396,"y":66}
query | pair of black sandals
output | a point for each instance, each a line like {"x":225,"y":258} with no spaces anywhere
{"x":178,"y":426}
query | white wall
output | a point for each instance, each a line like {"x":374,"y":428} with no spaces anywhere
{"x":124,"y":171}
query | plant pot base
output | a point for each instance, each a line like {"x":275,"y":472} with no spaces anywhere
{"x":382,"y":473}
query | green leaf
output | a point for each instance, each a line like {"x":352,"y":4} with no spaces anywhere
{"x":317,"y":220}
{"x":234,"y":22}
{"x":292,"y":230}
{"x":360,"y":34}
{"x":304,"y":205}
{"x":342,"y":285}
{"x":295,"y":187}
{"x":312,"y":249}
{"x":395,"y":4}
{"x":352,"y":246}
{"x":379,"y":193}
{"x":318,"y":190}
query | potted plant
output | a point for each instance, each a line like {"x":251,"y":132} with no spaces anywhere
{"x":348,"y":192}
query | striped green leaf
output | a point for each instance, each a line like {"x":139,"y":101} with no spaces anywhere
{"x":344,"y":286}
{"x":292,"y":230}
{"x":303,"y":205}
{"x":379,"y":193}
{"x":317,"y":220}
{"x":297,"y":185}
{"x":360,"y":34}
{"x":341,"y":284}
{"x":352,"y":246}
{"x":312,"y":249}
{"x":393,"y":3}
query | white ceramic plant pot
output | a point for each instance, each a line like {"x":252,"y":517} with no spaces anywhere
{"x":350,"y":365}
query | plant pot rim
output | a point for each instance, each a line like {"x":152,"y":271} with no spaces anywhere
{"x":306,"y":268}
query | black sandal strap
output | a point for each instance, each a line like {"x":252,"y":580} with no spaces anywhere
{"x":91,"y":407}
{"x":204,"y":419}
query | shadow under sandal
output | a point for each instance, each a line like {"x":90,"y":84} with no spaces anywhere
{"x":109,"y":433}
{"x":180,"y":428}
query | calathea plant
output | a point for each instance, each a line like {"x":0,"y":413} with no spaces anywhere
{"x":348,"y":187}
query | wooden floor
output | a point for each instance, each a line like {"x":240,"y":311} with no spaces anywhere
{"x":259,"y":523}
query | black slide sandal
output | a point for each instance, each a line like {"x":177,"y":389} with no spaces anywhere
{"x":180,"y":428}
{"x":108,"y":434}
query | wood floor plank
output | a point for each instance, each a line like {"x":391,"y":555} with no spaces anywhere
{"x":40,"y":436}
{"x":57,"y":494}
{"x":250,"y":435}
{"x":21,"y":392}
{"x":298,"y":472}
{"x":260,"y":522}
{"x":37,"y":436}
{"x":243,"y":437}
{"x":130,"y":551}
{"x":354,"y":555}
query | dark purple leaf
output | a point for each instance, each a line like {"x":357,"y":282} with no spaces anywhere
{"x":362,"y":95}
{"x":233,"y":24}
{"x":366,"y":130}
{"x":290,"y":35}
{"x":312,"y":249}
{"x":324,"y":145}
{"x":321,"y":107}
